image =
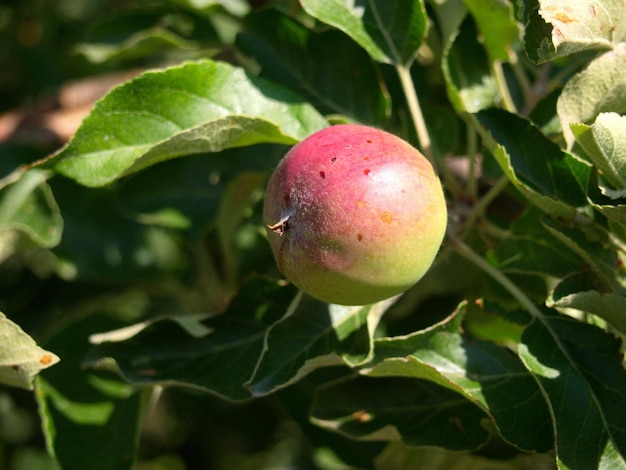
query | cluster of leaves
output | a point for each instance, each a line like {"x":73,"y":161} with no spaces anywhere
{"x":158,"y":273}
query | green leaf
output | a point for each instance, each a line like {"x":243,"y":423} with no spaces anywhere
{"x":187,"y":193}
{"x":497,"y":25}
{"x":530,"y":249}
{"x":314,"y":334}
{"x":538,"y":167}
{"x":579,"y":292}
{"x":544,"y":114}
{"x":398,"y":455}
{"x":21,"y":359}
{"x":318,"y":66}
{"x":390,"y":32}
{"x":197,"y":107}
{"x":417,"y":411}
{"x":91,"y":419}
{"x":605,"y":144}
{"x":578,"y":367}
{"x":465,"y":64}
{"x":561,"y":28}
{"x":593,"y":247}
{"x":219,"y":362}
{"x":132,"y":36}
{"x":485,"y":374}
{"x":450,"y":15}
{"x":486,"y":321}
{"x":612,"y":208}
{"x":234,"y":7}
{"x":601,"y":87}
{"x":236,"y":202}
{"x":28,"y":206}
{"x":103,"y":242}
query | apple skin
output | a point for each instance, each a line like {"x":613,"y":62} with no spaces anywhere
{"x":354,"y":215}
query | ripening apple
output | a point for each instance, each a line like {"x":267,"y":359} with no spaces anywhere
{"x":354,"y":215}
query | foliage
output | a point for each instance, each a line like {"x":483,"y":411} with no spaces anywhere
{"x":136,"y":253}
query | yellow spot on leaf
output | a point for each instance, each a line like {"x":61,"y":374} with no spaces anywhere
{"x":46,"y":359}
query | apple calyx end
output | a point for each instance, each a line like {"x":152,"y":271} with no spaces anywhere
{"x":280,"y":227}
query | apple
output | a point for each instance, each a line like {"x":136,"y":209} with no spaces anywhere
{"x":354,"y":215}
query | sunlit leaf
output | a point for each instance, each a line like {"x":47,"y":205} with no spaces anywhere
{"x":605,"y":144}
{"x":563,"y":28}
{"x":21,"y":359}
{"x":601,"y":87}
{"x":613,"y":208}
{"x":497,"y":25}
{"x":198,"y":107}
{"x":578,"y":292}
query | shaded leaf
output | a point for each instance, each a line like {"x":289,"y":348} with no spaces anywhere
{"x":416,"y":411}
{"x":314,"y":334}
{"x":530,"y":249}
{"x":537,"y":166}
{"x":601,"y":87}
{"x":28,"y":207}
{"x":236,"y":202}
{"x":198,"y":107}
{"x":487,"y":375}
{"x":316,"y":65}
{"x":450,"y":15}
{"x":397,"y":455}
{"x":592,"y":246}
{"x":219,"y":362}
{"x":91,"y":419}
{"x":103,"y":242}
{"x":132,"y":36}
{"x":390,"y":32}
{"x":234,"y":7}
{"x":21,"y":359}
{"x":487,"y":322}
{"x":578,"y":292}
{"x":578,"y":367}
{"x":544,"y":114}
{"x":469,"y":82}
{"x":186,"y":193}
